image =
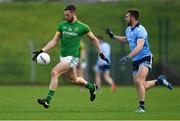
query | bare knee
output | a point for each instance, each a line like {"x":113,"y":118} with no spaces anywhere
{"x":107,"y":77}
{"x":139,"y":82}
{"x":145,"y":86}
{"x":73,"y":79}
{"x":54,"y":74}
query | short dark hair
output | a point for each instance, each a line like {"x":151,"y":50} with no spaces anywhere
{"x":70,"y":8}
{"x":134,"y":13}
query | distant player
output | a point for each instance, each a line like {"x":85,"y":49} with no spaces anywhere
{"x":103,"y":68}
{"x":70,"y":33}
{"x":82,"y":64}
{"x":137,"y":37}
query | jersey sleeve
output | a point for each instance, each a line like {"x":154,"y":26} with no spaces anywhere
{"x":59,"y":27}
{"x":106,"y":49}
{"x":141,"y":34}
{"x":86,"y":28}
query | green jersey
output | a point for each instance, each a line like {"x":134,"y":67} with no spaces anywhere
{"x":71,"y":34}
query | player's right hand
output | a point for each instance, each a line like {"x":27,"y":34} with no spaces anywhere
{"x":36,"y":53}
{"x":110,"y":33}
{"x":104,"y":58}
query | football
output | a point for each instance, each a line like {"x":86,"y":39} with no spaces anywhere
{"x":43,"y":58}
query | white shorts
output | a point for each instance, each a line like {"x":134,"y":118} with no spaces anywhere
{"x":72,"y":61}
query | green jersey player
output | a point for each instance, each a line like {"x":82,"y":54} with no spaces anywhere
{"x":70,"y":33}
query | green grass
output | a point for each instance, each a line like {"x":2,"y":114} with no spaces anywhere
{"x":19,"y":102}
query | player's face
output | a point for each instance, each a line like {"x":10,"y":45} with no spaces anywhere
{"x":128,"y":19}
{"x":69,"y":16}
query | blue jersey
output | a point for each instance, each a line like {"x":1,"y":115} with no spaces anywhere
{"x":133,"y":34}
{"x":106,"y":49}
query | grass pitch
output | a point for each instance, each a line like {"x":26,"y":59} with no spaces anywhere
{"x":19,"y":102}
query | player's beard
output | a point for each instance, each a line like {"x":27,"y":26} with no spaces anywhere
{"x":129,"y":23}
{"x":71,"y":20}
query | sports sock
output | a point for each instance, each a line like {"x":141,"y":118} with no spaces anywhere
{"x":90,"y":86}
{"x":141,"y":104}
{"x":49,"y":96}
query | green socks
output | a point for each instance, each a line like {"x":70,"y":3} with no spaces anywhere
{"x":49,"y":96}
{"x":90,"y":86}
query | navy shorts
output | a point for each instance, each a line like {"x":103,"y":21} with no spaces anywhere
{"x":147,"y":61}
{"x":103,"y":68}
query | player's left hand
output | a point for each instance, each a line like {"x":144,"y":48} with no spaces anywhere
{"x":104,"y":58}
{"x":125,"y":59}
{"x":110,"y":33}
{"x":36,"y":53}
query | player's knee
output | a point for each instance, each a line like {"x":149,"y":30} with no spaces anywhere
{"x":107,"y":77}
{"x":139,"y":81}
{"x":140,"y":84}
{"x":145,"y":86}
{"x":73,"y":79}
{"x":54,"y":73}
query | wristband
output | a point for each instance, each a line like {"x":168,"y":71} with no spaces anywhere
{"x":128,"y":57}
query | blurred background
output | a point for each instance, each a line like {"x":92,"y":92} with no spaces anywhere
{"x":27,"y":25}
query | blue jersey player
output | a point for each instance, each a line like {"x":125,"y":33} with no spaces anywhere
{"x":141,"y":56}
{"x":103,"y":69}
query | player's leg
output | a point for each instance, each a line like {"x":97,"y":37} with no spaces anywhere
{"x":60,"y":68}
{"x":72,"y":76}
{"x":109,"y":80}
{"x":82,"y":82}
{"x":149,"y":84}
{"x":79,"y":70}
{"x":161,"y":80}
{"x":139,"y":78}
{"x":98,"y":71}
{"x":80,"y":73}
{"x":98,"y":80}
{"x":84,"y":75}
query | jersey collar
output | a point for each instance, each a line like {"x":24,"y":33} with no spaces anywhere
{"x":75,"y":22}
{"x":135,"y":26}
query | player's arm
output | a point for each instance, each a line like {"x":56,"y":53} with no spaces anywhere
{"x":140,"y":44}
{"x":95,"y":41}
{"x":137,"y":49}
{"x":52,"y":43}
{"x":122,"y":39}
